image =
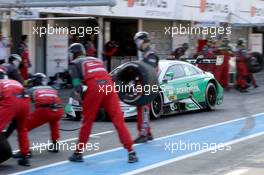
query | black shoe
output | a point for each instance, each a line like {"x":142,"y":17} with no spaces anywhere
{"x":54,"y":147}
{"x":256,"y":86}
{"x":18,"y":155}
{"x":76,"y":157}
{"x":132,"y":157}
{"x":23,"y":161}
{"x":150,"y":137}
{"x":141,"y":139}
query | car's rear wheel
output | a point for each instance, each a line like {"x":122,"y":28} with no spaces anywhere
{"x":156,"y":107}
{"x":210,"y":96}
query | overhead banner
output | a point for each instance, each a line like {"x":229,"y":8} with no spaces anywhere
{"x":57,"y":53}
{"x":216,"y":10}
{"x":160,"y":9}
{"x":257,"y":13}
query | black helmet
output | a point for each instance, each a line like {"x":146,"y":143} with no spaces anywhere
{"x":3,"y":74}
{"x":38,"y":79}
{"x":240,"y":41}
{"x":75,"y":50}
{"x":15,"y":59}
{"x":140,"y":38}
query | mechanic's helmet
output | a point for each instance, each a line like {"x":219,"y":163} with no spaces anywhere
{"x":76,"y":50}
{"x":38,"y":79}
{"x":209,"y":41}
{"x":3,"y":74}
{"x":15,"y":59}
{"x":241,"y":42}
{"x":140,"y":38}
{"x":225,"y":41}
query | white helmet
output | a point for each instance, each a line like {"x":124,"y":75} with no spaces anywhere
{"x":140,"y":38}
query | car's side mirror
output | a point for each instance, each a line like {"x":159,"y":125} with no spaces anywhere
{"x":169,"y":75}
{"x":164,"y":81}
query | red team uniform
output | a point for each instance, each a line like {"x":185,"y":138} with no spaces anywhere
{"x":91,"y":72}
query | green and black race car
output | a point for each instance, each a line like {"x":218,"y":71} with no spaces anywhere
{"x":183,"y":87}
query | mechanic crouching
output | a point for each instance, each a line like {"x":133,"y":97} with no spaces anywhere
{"x":48,"y":108}
{"x":15,"y":105}
{"x":91,"y":72}
{"x":142,"y":42}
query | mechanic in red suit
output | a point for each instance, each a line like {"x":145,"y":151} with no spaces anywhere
{"x":142,"y":42}
{"x":243,"y":74}
{"x":221,"y":72}
{"x":208,"y":51}
{"x":91,"y":72}
{"x":15,"y":105}
{"x":24,"y":53}
{"x":48,"y":107}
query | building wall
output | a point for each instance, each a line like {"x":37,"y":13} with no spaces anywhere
{"x":161,"y":43}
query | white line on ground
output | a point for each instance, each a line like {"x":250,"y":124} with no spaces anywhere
{"x":165,"y":162}
{"x":238,"y":172}
{"x":69,"y":140}
{"x":190,"y":155}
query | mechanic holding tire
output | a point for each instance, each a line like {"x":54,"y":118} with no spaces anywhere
{"x":15,"y":104}
{"x":91,"y":72}
{"x":142,"y":42}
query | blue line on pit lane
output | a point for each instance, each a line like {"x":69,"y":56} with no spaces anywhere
{"x":115,"y":162}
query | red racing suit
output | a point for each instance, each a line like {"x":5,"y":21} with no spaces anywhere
{"x":25,"y":64}
{"x":48,"y":109}
{"x":101,"y":93}
{"x":242,"y":69}
{"x":209,"y":53}
{"x":143,"y":112}
{"x":15,"y":105}
{"x":221,"y":72}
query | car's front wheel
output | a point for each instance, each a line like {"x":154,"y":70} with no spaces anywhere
{"x":156,"y":107}
{"x":210,"y":96}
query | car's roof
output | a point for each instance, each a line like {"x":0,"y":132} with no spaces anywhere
{"x":163,"y":64}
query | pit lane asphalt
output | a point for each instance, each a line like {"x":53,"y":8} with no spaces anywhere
{"x":236,"y":105}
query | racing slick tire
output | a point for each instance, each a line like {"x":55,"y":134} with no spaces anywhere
{"x":210,"y":96}
{"x":5,"y":149}
{"x":136,"y":75}
{"x":156,"y":107}
{"x":255,"y":62}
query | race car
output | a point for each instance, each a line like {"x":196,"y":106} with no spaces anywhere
{"x":183,"y":87}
